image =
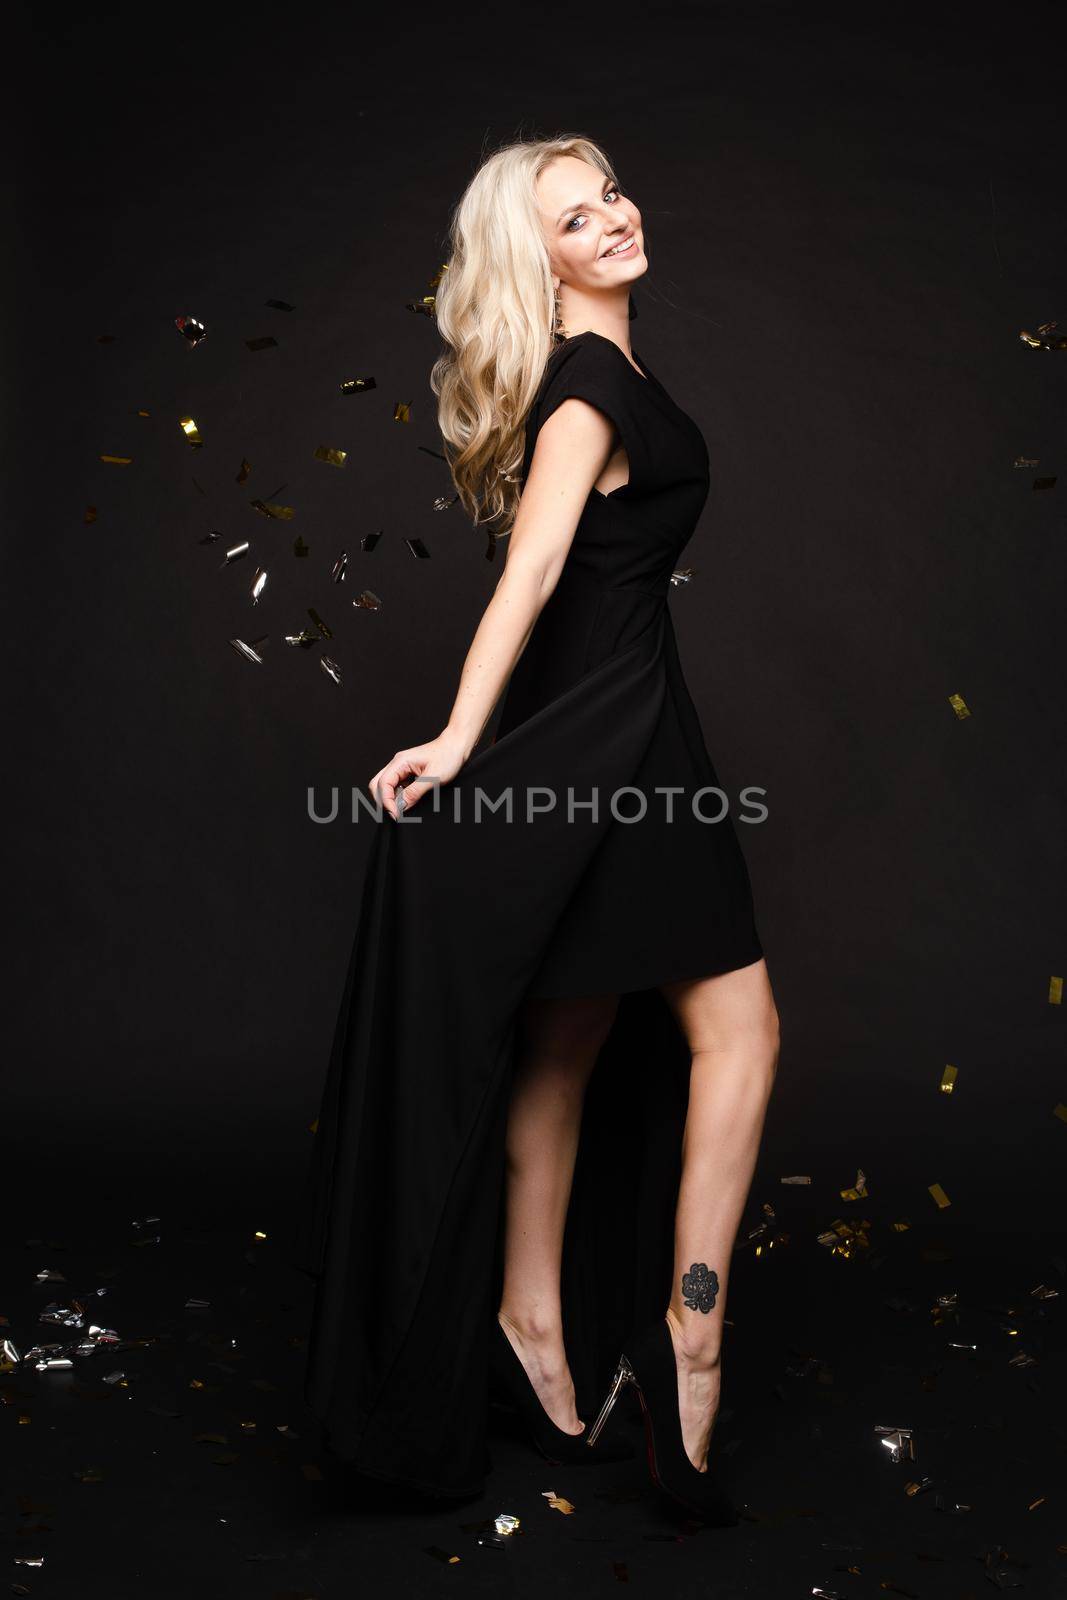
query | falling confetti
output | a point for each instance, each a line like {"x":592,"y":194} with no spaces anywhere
{"x":959,"y":706}
{"x":191,"y":431}
{"x":402,"y":411}
{"x":191,"y":329}
{"x":246,"y":651}
{"x":948,"y":1080}
{"x":335,"y":458}
{"x":117,"y":461}
{"x":557,"y":1502}
{"x":357,"y":385}
{"x":1055,"y":991}
{"x":270,"y":508}
{"x":939,"y":1195}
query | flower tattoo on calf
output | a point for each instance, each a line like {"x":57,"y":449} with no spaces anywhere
{"x":700,"y":1287}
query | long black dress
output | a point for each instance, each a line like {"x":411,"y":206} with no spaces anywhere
{"x":463,"y":914}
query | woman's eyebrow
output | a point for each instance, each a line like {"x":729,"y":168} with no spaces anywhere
{"x":578,"y":204}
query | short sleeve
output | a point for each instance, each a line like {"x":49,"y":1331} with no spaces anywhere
{"x":585,"y":369}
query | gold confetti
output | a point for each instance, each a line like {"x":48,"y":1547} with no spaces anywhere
{"x":357,"y":385}
{"x":797,"y":1179}
{"x":402,"y":411}
{"x":939,"y":1195}
{"x":1046,"y":338}
{"x":243,"y":471}
{"x":313,"y":1127}
{"x":90,"y":514}
{"x":557,"y":1502}
{"x":335,"y":458}
{"x":117,"y":461}
{"x":1025,"y":461}
{"x":959,"y":706}
{"x":269,"y":508}
{"x":506,"y":1524}
{"x":259,"y":1234}
{"x":846,"y":1239}
{"x":948,"y":1080}
{"x":860,"y":1191}
{"x":190,"y":430}
{"x":142,"y":413}
{"x":1060,"y":1111}
{"x":1055,"y":991}
{"x":440,"y":1555}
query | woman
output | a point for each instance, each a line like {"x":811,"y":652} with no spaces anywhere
{"x":504,"y":952}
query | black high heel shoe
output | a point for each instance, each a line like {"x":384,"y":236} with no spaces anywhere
{"x":648,"y":1364}
{"x":557,"y":1446}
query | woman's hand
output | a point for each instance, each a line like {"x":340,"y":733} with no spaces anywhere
{"x":441,"y":759}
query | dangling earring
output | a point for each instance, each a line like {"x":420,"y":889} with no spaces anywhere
{"x":559,"y":332}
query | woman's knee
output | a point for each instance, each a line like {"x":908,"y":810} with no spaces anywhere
{"x":729,"y":1011}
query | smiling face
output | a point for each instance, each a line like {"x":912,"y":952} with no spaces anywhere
{"x":584,"y":217}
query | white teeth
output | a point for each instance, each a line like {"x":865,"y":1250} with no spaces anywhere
{"x":617,"y":247}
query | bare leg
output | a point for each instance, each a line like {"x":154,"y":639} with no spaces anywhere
{"x":731,"y":1025}
{"x":557,"y":1048}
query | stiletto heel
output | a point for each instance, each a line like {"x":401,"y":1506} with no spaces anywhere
{"x":556,"y":1445}
{"x":649,"y":1364}
{"x":624,"y":1374}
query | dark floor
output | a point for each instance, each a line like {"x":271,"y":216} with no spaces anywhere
{"x":180,"y":1461}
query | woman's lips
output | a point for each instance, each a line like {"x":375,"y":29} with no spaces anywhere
{"x":609,"y":255}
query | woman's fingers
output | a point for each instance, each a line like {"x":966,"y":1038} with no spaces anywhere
{"x":384,"y":784}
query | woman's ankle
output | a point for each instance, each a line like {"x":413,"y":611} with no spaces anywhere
{"x":532,"y":1326}
{"x":698,"y":1349}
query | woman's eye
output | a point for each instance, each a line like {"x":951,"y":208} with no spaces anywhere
{"x":616,"y":192}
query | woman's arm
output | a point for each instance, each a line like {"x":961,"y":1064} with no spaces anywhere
{"x":572,"y":449}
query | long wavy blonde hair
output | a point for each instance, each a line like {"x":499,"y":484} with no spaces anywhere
{"x":495,"y":309}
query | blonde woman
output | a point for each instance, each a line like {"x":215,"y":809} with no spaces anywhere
{"x":568,"y":897}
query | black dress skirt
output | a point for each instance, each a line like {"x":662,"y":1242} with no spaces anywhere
{"x":607,"y":873}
